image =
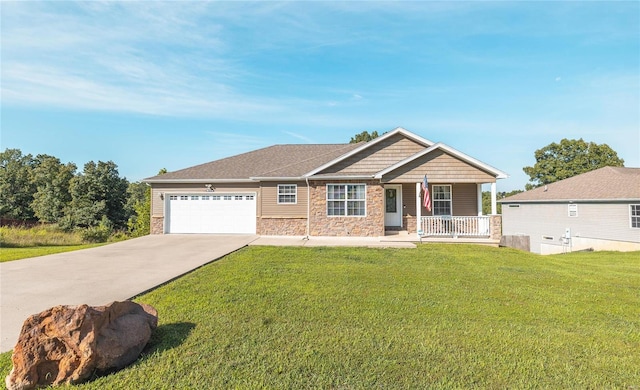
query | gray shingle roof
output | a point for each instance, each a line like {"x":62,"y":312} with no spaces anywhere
{"x":608,"y":183}
{"x":280,"y":161}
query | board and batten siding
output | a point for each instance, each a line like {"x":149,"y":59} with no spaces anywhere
{"x":546,"y":223}
{"x":377,"y":157}
{"x":440,"y":167}
{"x":271,"y":208}
{"x":157,"y":204}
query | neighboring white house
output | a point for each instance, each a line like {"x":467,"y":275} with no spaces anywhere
{"x":597,"y":210}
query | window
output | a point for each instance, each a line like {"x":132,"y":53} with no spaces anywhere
{"x":205,"y":197}
{"x":228,"y":197}
{"x":216,"y":197}
{"x":346,"y":200}
{"x":441,"y":200}
{"x":249,"y":197}
{"x":184,"y":197}
{"x":634,"y":213}
{"x":238,"y":197}
{"x":287,"y":194}
{"x":573,"y":210}
{"x":195,"y":197}
{"x":173,"y":197}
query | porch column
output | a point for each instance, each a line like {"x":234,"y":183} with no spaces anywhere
{"x":479,"y":196}
{"x":418,"y":210}
{"x":494,"y":201}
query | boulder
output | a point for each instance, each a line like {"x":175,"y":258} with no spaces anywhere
{"x":67,"y":344}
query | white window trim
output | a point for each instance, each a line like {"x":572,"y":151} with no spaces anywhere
{"x":434,"y":200}
{"x":294,"y":194}
{"x":346,"y":208}
{"x":631,"y":215}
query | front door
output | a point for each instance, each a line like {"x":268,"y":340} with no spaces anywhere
{"x":393,"y":205}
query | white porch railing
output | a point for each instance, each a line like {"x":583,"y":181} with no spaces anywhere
{"x":455,"y":226}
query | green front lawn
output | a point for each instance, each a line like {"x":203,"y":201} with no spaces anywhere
{"x":440,"y":316}
{"x":10,"y":254}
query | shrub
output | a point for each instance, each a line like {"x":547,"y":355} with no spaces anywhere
{"x":100,"y":233}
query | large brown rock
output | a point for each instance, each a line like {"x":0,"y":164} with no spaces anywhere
{"x":66,"y":344}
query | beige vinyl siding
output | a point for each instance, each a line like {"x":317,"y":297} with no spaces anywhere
{"x":271,"y":208}
{"x":157,"y":204}
{"x":465,"y":199}
{"x":439,"y":167}
{"x":377,"y":157}
{"x":605,"y":221}
{"x":409,"y":199}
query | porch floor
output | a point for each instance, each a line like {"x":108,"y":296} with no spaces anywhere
{"x":404,"y":236}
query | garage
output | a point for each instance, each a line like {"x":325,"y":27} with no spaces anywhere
{"x":233,"y":213}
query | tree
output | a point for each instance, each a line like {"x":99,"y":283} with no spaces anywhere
{"x":51,"y":179}
{"x":569,"y":158}
{"x":486,"y":200}
{"x":363,"y":137}
{"x":16,"y":186}
{"x":139,"y":205}
{"x":98,"y":192}
{"x":138,"y":209}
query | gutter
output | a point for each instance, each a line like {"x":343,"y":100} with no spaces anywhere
{"x":618,"y":200}
{"x":182,"y":181}
{"x":360,"y":177}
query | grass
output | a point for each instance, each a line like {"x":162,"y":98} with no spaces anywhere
{"x":20,"y":243}
{"x":10,"y":254}
{"x":43,"y":235}
{"x":440,"y":316}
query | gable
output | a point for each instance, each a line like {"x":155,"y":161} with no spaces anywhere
{"x":440,"y":167}
{"x":376,"y":157}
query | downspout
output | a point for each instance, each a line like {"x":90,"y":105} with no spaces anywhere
{"x":308,"y":208}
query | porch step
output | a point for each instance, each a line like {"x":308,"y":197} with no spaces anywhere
{"x":461,"y":240}
{"x":396,"y":233}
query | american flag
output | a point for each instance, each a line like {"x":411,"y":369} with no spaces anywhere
{"x":426,"y":198}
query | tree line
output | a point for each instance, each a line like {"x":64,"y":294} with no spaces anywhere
{"x":44,"y":189}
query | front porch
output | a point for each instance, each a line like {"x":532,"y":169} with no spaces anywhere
{"x":440,"y":237}
{"x":484,"y":226}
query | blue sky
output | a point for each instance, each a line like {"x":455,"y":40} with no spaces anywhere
{"x":153,"y":85}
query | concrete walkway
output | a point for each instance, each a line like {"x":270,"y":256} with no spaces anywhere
{"x":98,"y":276}
{"x":370,"y":242}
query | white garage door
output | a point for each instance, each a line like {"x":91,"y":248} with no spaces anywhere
{"x":220,"y":213}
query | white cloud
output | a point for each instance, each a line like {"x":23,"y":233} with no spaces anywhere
{"x":300,"y":137}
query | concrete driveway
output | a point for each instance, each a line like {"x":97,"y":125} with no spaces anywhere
{"x":101,"y":275}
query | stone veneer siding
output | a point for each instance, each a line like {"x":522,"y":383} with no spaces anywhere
{"x":496,"y":227}
{"x":371,"y":225}
{"x":281,"y":226}
{"x":409,"y":223}
{"x":157,"y":225}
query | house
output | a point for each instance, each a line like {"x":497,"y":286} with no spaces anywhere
{"x":597,"y":210}
{"x":363,"y":189}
